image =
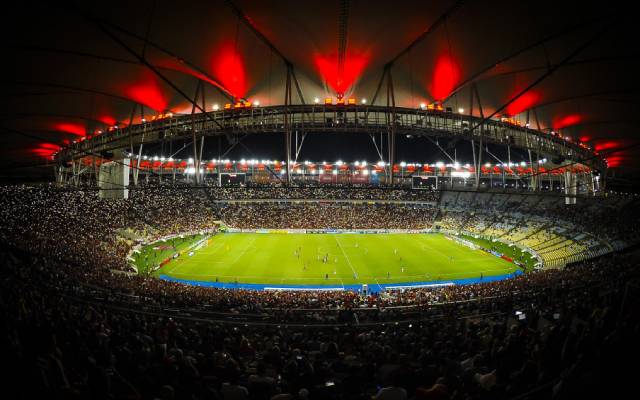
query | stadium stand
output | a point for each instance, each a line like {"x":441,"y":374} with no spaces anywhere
{"x":329,"y":200}
{"x":85,"y":326}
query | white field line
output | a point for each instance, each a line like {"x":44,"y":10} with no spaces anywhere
{"x":420,"y":286}
{"x":310,"y":289}
{"x":434,"y":250}
{"x":362,"y":279}
{"x":212,"y":248}
{"x":216,"y":246}
{"x":256,"y":279}
{"x":346,"y":257}
{"x":425,"y":247}
{"x":464,"y":259}
{"x":242,"y":253}
{"x":175,"y":266}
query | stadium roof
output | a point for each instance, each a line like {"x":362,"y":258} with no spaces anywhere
{"x":72,"y":69}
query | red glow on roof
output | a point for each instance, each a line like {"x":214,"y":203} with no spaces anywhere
{"x":164,"y":61}
{"x":42,"y":152}
{"x":446,"y":75}
{"x":608,"y":145}
{"x":615,"y":161}
{"x":50,"y":146}
{"x":148,"y":91}
{"x":567,"y":120}
{"x":72,"y":128}
{"x":612,"y":151}
{"x":341,"y":81}
{"x":107,"y":120}
{"x":522,"y":103}
{"x":585,"y":138}
{"x":45,"y":150}
{"x":229,"y":69}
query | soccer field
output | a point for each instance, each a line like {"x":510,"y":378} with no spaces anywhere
{"x":333,"y":260}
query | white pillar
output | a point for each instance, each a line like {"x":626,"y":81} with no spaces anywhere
{"x":114,"y":178}
{"x":570,"y":187}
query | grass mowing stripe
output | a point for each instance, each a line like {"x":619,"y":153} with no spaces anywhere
{"x":296,"y":259}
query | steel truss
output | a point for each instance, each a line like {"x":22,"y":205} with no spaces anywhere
{"x":339,"y":119}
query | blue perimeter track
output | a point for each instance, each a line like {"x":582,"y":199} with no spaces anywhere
{"x":372,"y":287}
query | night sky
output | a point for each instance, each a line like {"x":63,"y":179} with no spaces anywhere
{"x":68,"y":75}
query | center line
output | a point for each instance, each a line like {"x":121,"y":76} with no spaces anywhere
{"x":346,"y":257}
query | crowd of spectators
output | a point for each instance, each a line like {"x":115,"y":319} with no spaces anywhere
{"x":557,"y":334}
{"x":334,"y":192}
{"x":77,"y":324}
{"x":85,"y":231}
{"x":327,"y":216}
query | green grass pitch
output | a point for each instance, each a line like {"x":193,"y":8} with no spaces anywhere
{"x":330,"y":259}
